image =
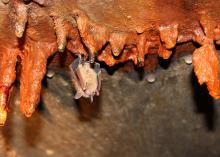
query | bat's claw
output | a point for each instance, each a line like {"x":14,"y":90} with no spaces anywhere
{"x":91,"y":99}
{"x":78,"y":95}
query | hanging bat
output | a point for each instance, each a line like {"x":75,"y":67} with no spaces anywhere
{"x":86,"y":77}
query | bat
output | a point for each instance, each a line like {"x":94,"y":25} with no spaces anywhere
{"x":86,"y":77}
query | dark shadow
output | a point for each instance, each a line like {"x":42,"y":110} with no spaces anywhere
{"x":44,"y":82}
{"x":43,"y":110}
{"x":32,"y":129}
{"x":87,"y":110}
{"x":113,"y":69}
{"x":63,"y":57}
{"x":137,"y":73}
{"x":204,"y":103}
{"x":217,"y":47}
{"x":164,"y":63}
{"x":140,"y":71}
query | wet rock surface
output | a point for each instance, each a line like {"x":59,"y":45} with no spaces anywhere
{"x":113,"y":32}
{"x":171,"y":117}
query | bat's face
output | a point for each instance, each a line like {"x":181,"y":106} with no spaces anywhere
{"x":86,"y":78}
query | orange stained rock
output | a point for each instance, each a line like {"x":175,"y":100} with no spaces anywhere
{"x":168,"y":35}
{"x":34,"y":62}
{"x":163,"y":52}
{"x":114,"y":32}
{"x":205,"y":60}
{"x":8,"y":59}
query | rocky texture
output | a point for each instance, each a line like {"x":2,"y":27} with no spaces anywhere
{"x":109,"y":31}
{"x":172,"y":117}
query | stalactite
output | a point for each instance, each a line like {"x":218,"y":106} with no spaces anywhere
{"x":35,"y":30}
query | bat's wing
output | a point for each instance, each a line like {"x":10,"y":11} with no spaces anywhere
{"x":99,"y":79}
{"x":75,"y":78}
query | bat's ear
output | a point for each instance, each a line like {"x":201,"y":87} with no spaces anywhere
{"x":97,"y":67}
{"x":98,"y":73}
{"x":75,"y":64}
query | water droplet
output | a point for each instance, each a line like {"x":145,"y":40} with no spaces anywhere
{"x":50,"y":73}
{"x":188,"y":59}
{"x":151,"y":78}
